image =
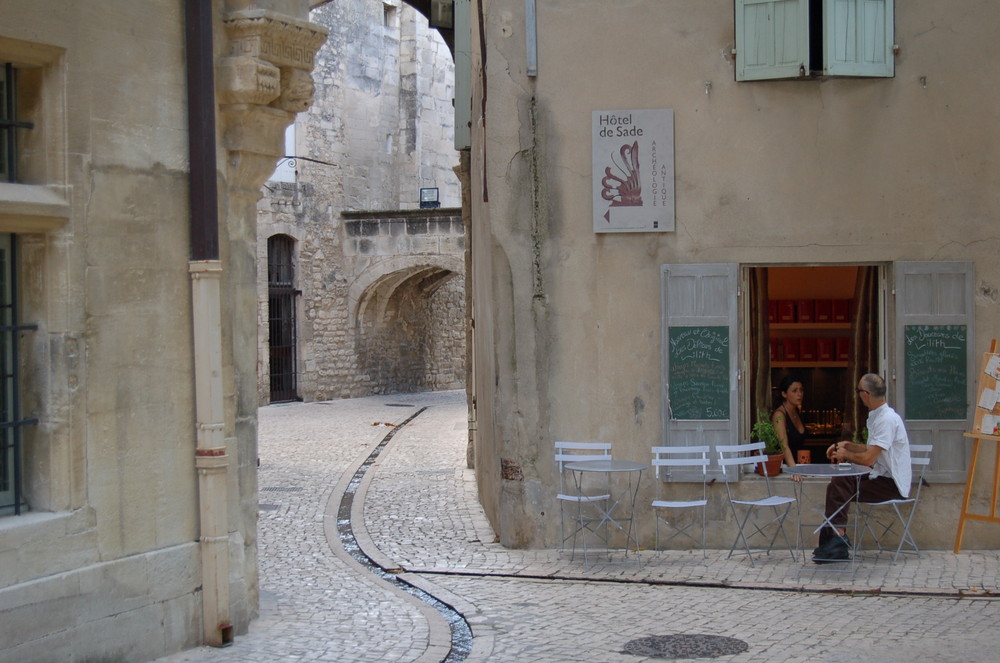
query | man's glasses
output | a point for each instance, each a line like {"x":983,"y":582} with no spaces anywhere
{"x":862,"y":391}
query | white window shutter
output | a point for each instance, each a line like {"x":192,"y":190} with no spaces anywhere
{"x":700,"y":296}
{"x":858,"y":38}
{"x":772,"y":39}
{"x":936,"y":294}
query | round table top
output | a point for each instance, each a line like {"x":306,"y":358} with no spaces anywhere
{"x":606,"y":466}
{"x":828,"y":469}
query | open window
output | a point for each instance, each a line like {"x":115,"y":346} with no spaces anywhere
{"x":782,"y":39}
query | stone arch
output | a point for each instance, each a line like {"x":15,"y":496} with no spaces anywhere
{"x":375,"y":288}
{"x":408,"y":326}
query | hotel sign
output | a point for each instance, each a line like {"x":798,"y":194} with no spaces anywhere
{"x":633,"y":170}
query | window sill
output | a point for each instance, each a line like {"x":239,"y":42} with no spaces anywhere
{"x":32,"y":208}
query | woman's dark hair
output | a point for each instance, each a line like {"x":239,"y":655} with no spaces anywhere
{"x":783,"y":386}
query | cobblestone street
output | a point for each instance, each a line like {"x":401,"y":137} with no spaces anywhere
{"x":415,"y":512}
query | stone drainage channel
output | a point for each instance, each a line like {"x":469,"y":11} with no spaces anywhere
{"x":461,"y":633}
{"x":675,"y":646}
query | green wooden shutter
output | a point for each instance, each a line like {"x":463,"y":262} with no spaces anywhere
{"x":699,"y":307}
{"x":772,"y":39}
{"x":858,"y":37}
{"x":934,"y":301}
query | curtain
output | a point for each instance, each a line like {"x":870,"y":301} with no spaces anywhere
{"x":760,"y":348}
{"x":864,"y":346}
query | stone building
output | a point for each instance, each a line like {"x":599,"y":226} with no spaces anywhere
{"x":365,"y":290}
{"x":838,"y":155}
{"x":135,"y":142}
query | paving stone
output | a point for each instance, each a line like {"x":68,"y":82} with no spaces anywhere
{"x":421,"y":516}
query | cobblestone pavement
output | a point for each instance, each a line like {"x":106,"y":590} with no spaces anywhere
{"x":416,"y":512}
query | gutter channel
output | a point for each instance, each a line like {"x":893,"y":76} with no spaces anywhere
{"x":461,"y":632}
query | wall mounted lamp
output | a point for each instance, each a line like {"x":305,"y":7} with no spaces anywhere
{"x":429,"y":198}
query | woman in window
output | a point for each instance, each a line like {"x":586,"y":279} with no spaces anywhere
{"x":787,"y":419}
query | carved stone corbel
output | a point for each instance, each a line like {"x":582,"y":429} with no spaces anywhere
{"x":265,"y":78}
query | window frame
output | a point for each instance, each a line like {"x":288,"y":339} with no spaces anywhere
{"x":777,"y":39}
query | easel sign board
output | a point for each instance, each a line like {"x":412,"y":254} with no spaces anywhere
{"x":985,"y":426}
{"x":987,"y":418}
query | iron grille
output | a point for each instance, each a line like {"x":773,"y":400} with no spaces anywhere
{"x":281,"y":318}
{"x":11,"y":423}
{"x":9,"y":124}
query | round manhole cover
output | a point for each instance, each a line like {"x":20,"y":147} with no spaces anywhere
{"x":685,"y":646}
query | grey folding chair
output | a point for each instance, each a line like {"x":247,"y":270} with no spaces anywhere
{"x":731,"y":458}
{"x":665,"y":459}
{"x":881,"y":528}
{"x":585,"y":506}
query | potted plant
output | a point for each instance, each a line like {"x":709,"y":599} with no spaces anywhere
{"x":763,"y":431}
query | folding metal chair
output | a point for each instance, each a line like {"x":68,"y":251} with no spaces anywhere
{"x":664,"y":459}
{"x":587,"y":506}
{"x":920,"y":458}
{"x":731,"y":457}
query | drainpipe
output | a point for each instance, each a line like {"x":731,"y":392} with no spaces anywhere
{"x":205,"y":268}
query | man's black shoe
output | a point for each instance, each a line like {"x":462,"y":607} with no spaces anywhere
{"x":840,"y":555}
{"x":832,"y":544}
{"x":835,"y":550}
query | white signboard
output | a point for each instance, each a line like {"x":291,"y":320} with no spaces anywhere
{"x":633,"y":164}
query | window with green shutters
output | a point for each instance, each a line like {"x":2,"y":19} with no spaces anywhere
{"x":781,"y":39}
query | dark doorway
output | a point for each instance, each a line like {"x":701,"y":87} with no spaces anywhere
{"x":281,"y":295}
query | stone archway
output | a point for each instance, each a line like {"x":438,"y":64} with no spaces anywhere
{"x":409,"y":329}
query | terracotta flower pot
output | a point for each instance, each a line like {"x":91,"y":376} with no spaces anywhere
{"x":772,"y":466}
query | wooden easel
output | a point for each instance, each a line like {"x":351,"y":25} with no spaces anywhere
{"x":987,"y":385}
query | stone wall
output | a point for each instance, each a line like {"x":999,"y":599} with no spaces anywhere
{"x":379,"y":130}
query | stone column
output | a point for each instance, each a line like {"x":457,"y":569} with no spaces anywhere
{"x":263,"y":79}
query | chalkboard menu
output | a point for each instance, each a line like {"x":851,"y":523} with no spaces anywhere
{"x":699,"y":372}
{"x":936,"y":371}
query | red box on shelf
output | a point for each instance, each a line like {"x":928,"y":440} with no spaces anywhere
{"x":843,"y":349}
{"x":774,"y":349}
{"x":825,"y":349}
{"x":824,"y":310}
{"x":789,"y":349}
{"x":772,"y":310}
{"x":841,"y":310}
{"x":806,"y":310}
{"x":807,"y":349}
{"x":786,"y":310}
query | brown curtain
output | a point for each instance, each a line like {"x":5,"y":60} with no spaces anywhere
{"x":864,"y":346}
{"x":760,"y":349}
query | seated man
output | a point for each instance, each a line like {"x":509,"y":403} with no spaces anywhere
{"x":887,"y":453}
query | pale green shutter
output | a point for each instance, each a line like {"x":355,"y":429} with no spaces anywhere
{"x":772,"y":39}
{"x":700,"y":299}
{"x":935,"y":301}
{"x":858,"y":37}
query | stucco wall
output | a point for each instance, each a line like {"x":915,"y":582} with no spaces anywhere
{"x":810,"y":171}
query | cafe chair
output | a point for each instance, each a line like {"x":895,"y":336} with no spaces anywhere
{"x":733,"y":457}
{"x":585,"y":507}
{"x":668,"y":512}
{"x":883,"y":527}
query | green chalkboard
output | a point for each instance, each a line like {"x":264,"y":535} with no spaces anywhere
{"x":698,"y":372}
{"x":937,"y":379}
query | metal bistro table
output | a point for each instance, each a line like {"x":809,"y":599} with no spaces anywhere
{"x":634,"y":472}
{"x":828,"y":471}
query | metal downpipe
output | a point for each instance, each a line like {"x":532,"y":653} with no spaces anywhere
{"x":205,"y":268}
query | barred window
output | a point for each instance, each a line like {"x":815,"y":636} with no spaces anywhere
{"x":9,"y":124}
{"x":11,"y":423}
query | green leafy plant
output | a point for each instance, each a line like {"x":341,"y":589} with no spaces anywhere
{"x":763,"y":431}
{"x":863,"y":438}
